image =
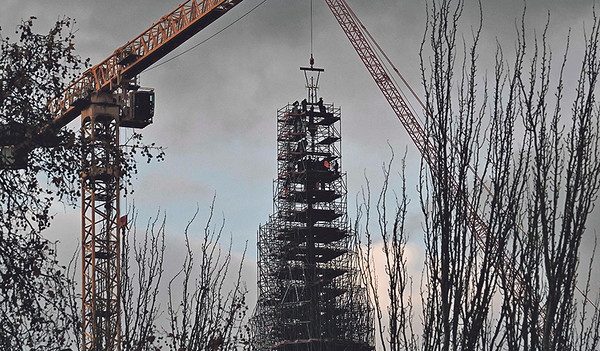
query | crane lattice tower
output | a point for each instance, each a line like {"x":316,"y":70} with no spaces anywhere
{"x":309,"y":292}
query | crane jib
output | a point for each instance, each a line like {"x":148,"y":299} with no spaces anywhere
{"x":140,"y":53}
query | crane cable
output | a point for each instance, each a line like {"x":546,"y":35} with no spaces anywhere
{"x":311,"y":31}
{"x":195,"y":46}
{"x":205,"y":40}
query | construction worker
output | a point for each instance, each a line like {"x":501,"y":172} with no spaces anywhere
{"x":335,"y":166}
{"x":321,"y":106}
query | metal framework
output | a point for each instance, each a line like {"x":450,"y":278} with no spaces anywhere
{"x":107,"y":97}
{"x":102,"y":97}
{"x":138,"y":54}
{"x":100,"y":224}
{"x":310,"y":297}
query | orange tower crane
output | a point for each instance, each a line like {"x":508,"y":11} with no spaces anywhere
{"x":107,"y":98}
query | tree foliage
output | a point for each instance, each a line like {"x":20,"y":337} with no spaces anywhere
{"x":34,"y":69}
{"x":35,"y":303}
{"x":41,"y":166}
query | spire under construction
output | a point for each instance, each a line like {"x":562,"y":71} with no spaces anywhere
{"x":309,"y":296}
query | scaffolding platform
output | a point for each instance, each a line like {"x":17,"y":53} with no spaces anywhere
{"x":310,"y":197}
{"x":309,"y":295}
{"x":300,"y":273}
{"x":311,"y":215}
{"x":303,"y":252}
{"x":320,"y":235}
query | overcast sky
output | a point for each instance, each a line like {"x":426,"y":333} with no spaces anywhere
{"x":216,"y":105}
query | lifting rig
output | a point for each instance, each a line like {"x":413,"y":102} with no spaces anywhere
{"x":107,"y":98}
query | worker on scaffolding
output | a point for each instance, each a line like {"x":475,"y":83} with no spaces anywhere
{"x":302,"y":146}
{"x":335,"y":167}
{"x":312,"y":127}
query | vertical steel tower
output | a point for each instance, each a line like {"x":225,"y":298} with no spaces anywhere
{"x":309,"y":292}
{"x":100,"y":230}
{"x":104,"y":113}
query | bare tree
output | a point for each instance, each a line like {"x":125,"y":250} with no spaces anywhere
{"x":462,"y":263}
{"x":398,"y":333}
{"x":142,"y":269}
{"x":504,"y":211}
{"x":535,"y":206}
{"x":199,"y":310}
{"x":206,"y":316}
{"x":564,"y":181}
{"x":538,"y":200}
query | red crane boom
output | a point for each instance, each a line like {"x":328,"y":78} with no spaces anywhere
{"x":352,"y":28}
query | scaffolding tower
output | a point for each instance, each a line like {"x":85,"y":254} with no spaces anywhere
{"x":310,"y":297}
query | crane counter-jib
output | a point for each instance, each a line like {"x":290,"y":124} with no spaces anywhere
{"x":137,"y":55}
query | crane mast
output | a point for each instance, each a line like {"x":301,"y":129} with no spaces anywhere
{"x":107,"y":98}
{"x":478,"y":227}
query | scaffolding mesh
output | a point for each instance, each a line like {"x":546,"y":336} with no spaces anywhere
{"x":310,"y":297}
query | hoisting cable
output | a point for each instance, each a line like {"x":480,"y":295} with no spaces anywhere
{"x":312,"y":60}
{"x":380,"y":50}
{"x":205,"y":40}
